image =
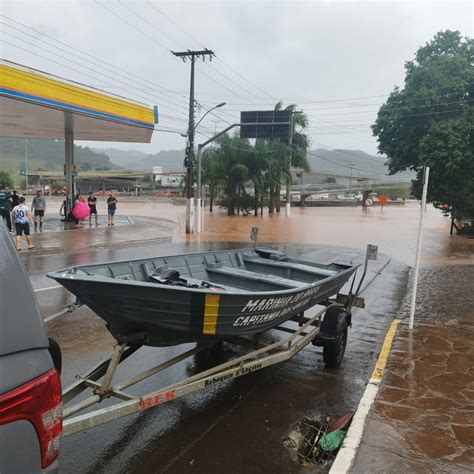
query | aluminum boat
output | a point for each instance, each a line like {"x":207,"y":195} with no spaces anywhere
{"x":201,"y":297}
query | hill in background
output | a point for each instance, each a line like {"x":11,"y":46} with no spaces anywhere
{"x":133,"y":160}
{"x":46,"y":155}
{"x":49,"y":155}
{"x":344,"y":163}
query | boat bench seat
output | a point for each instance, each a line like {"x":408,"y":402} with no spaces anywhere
{"x":256,"y":277}
{"x":291,"y":266}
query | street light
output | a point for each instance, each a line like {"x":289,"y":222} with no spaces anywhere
{"x":218,"y":106}
{"x":199,"y":187}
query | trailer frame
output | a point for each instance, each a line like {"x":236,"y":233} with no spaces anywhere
{"x":127,"y":404}
{"x":260,"y":357}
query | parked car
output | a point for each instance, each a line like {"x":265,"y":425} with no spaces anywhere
{"x":30,"y":387}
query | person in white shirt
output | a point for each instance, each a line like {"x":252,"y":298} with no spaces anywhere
{"x":21,"y":217}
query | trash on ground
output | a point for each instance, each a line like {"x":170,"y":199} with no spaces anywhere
{"x":318,"y":441}
{"x":331,"y":441}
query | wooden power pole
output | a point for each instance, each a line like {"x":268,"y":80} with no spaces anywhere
{"x":193,"y":56}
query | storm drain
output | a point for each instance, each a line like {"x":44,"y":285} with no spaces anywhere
{"x":318,"y":441}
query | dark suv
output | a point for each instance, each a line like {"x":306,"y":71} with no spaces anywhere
{"x":30,"y":387}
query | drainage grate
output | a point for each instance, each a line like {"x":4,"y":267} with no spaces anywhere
{"x":303,"y":441}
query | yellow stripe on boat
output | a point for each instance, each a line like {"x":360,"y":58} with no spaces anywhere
{"x":211,"y":310}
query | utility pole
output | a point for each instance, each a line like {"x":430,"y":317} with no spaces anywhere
{"x":288,"y":178}
{"x":290,"y":157}
{"x":189,"y":159}
{"x":26,"y":167}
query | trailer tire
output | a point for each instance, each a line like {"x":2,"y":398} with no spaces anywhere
{"x":334,"y":353}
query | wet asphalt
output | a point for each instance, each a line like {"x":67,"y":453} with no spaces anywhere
{"x":239,"y":425}
{"x":236,"y":426}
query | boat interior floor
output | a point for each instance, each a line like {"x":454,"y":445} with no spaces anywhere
{"x":255,"y":275}
{"x":227,"y":271}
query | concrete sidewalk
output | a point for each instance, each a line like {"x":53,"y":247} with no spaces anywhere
{"x":58,"y":237}
{"x":423,"y":416}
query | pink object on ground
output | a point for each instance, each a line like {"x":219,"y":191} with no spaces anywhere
{"x":81,"y":210}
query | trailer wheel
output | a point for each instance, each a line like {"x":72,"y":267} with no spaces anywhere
{"x":334,"y":353}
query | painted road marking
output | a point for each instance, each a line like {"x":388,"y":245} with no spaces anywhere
{"x":346,"y":455}
{"x":211,"y":309}
{"x":55,"y":287}
{"x":385,"y":352}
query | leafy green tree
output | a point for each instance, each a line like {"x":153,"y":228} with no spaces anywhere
{"x":6,"y":180}
{"x":211,"y":173}
{"x":86,"y":166}
{"x":430,"y":121}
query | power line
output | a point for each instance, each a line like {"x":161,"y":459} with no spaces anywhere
{"x":347,"y":153}
{"x":343,"y":166}
{"x":217,"y":57}
{"x":151,"y":24}
{"x":81,"y":65}
{"x":94,"y":58}
{"x":157,"y":42}
{"x":131,"y":25}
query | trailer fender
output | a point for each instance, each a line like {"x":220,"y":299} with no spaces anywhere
{"x":335,"y":321}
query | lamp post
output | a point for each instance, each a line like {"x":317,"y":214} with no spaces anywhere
{"x":199,"y":187}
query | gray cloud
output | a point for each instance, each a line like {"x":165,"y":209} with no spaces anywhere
{"x":297,"y":52}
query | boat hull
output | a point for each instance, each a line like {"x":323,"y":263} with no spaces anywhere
{"x":160,"y":315}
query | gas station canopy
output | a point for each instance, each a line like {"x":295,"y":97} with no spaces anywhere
{"x":34,"y":104}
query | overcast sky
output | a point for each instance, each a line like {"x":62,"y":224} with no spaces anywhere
{"x":337,"y":60}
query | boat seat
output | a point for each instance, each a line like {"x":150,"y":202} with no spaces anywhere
{"x":256,"y":277}
{"x":291,"y":266}
{"x":165,"y":273}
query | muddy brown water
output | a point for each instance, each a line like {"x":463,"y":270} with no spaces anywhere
{"x":239,"y":426}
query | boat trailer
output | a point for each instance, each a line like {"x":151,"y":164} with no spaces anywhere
{"x":327,"y":328}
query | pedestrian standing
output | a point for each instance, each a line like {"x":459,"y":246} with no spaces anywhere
{"x":39,"y":206}
{"x":111,"y":207}
{"x":92,"y":201}
{"x":5,"y":208}
{"x":80,"y":210}
{"x":15,"y":199}
{"x":22,"y":218}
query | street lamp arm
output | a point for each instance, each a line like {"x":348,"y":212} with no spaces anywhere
{"x":210,"y":110}
{"x":222,"y":132}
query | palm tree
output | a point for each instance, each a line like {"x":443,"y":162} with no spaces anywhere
{"x":234,"y":173}
{"x":281,"y":157}
{"x":211,"y":172}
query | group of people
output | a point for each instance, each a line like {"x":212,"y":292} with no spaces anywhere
{"x":15,"y":212}
{"x":18,"y":216}
{"x":82,"y":209}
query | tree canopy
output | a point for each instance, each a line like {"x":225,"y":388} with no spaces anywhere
{"x":5,"y":180}
{"x":236,"y":165}
{"x":429,"y":122}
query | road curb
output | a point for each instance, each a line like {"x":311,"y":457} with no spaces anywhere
{"x":346,"y":456}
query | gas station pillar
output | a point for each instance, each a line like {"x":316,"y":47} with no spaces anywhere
{"x":69,"y":153}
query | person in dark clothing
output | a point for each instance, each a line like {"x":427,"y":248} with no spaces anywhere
{"x":111,"y":207}
{"x":5,"y":208}
{"x":15,"y":199}
{"x":92,"y":201}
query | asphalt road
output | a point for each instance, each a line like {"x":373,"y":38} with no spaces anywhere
{"x":236,"y":426}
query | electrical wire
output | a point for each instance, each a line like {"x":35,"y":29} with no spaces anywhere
{"x":217,"y":57}
{"x":101,"y":61}
{"x":147,"y":99}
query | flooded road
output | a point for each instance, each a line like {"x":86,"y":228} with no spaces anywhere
{"x":239,"y":426}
